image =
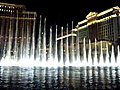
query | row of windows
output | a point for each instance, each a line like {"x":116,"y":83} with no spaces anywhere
{"x":6,"y":10}
{"x":4,"y":6}
{"x":109,"y":29}
{"x":7,"y":15}
{"x":107,"y":32}
{"x":105,"y":38}
{"x":105,"y":25}
{"x":12,"y":7}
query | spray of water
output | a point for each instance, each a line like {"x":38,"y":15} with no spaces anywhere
{"x":89,"y":54}
{"x":67,"y":49}
{"x":101,"y":61}
{"x":28,"y":53}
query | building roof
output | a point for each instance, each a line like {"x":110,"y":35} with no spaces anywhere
{"x":95,"y":14}
{"x":12,"y":5}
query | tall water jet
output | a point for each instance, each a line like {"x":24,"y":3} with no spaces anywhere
{"x":50,"y":56}
{"x":118,"y":56}
{"x":101,"y":61}
{"x":95,"y":55}
{"x":16,"y":40}
{"x":4,"y":40}
{"x":22,"y":41}
{"x":89,"y":54}
{"x":32,"y":53}
{"x":107,"y":61}
{"x":8,"y":54}
{"x":38,"y":50}
{"x":44,"y":44}
{"x":77,"y":63}
{"x":56,"y":48}
{"x":1,"y":39}
{"x":61,"y":48}
{"x":72,"y":47}
{"x":67,"y":49}
{"x":84,"y":61}
{"x":112,"y":59}
{"x":27,"y":41}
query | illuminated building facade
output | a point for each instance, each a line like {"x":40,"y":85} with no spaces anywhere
{"x":103,"y":26}
{"x":16,"y":26}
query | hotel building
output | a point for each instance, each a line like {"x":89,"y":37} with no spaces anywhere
{"x":103,"y":26}
{"x":16,"y":26}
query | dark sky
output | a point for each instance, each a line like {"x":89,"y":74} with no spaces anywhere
{"x":64,"y":11}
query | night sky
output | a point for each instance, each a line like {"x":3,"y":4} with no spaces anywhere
{"x":65,"y":11}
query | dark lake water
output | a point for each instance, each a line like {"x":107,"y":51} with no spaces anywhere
{"x":60,"y":78}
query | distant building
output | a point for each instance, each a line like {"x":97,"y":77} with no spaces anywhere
{"x":102,"y":26}
{"x":16,"y":26}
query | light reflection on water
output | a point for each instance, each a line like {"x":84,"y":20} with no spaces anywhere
{"x":65,"y":78}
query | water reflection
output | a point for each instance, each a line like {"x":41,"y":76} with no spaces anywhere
{"x":60,"y":78}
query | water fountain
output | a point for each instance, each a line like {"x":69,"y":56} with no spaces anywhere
{"x":28,"y":53}
{"x":67,"y":49}
{"x":45,"y":58}
{"x":89,"y":54}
